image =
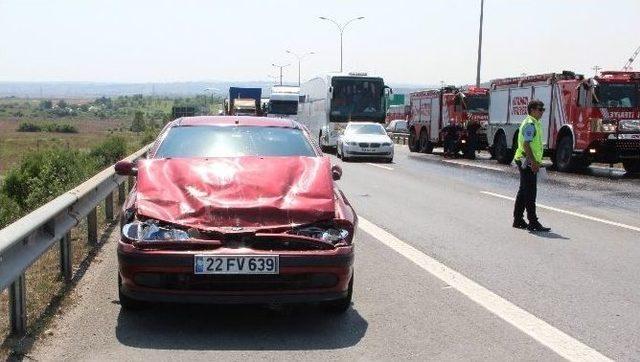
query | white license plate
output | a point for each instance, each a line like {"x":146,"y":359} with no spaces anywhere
{"x":368,"y":150}
{"x":236,"y":264}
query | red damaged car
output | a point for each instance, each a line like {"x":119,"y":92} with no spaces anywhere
{"x":235,"y":210}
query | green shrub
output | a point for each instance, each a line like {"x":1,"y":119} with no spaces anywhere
{"x":43,"y":175}
{"x":59,"y":128}
{"x":112,"y":150}
{"x":9,"y":211}
{"x":29,"y":127}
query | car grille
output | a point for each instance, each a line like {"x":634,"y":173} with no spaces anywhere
{"x":235,"y":283}
{"x":374,"y":145}
{"x":363,"y":144}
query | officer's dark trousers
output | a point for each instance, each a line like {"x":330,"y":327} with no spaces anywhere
{"x":526,"y":198}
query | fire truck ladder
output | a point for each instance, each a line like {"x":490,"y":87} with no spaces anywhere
{"x":627,"y":66}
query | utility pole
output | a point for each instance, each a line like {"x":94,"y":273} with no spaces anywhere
{"x":596,"y":68}
{"x":341,"y":29}
{"x":280,"y":66}
{"x":480,"y":44}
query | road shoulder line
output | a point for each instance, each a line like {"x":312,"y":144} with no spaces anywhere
{"x":549,"y":336}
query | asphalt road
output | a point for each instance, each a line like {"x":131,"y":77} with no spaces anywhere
{"x":440,"y":275}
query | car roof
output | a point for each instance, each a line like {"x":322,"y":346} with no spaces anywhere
{"x":359,"y":123}
{"x":235,"y":120}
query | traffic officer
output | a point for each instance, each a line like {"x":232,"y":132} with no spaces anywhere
{"x":528,"y":157}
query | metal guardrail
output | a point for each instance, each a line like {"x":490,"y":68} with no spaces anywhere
{"x":399,"y":138}
{"x":24,"y":241}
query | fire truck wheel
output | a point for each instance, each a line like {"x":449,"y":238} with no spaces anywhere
{"x":501,"y":151}
{"x":631,"y":166}
{"x":564,"y":159}
{"x":425,"y":145}
{"x":413,"y":142}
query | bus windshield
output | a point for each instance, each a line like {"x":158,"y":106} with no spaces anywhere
{"x":616,"y":95}
{"x":357,"y":98}
{"x":283,"y":107}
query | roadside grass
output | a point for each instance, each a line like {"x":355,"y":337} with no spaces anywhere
{"x":14,"y":145}
{"x":46,"y":290}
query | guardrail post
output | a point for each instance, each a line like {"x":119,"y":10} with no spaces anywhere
{"x":65,"y":257}
{"x":18,"y":306}
{"x":92,"y":227}
{"x":121,"y":194}
{"x":108,"y":206}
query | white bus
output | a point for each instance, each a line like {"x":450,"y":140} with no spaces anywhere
{"x":283,"y":101}
{"x":329,"y":102}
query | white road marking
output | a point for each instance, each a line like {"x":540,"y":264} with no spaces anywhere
{"x":576,"y":214}
{"x":475,"y":165}
{"x":551,"y":337}
{"x":384,"y":167}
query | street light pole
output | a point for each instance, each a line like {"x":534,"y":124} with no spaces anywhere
{"x":299,"y":57}
{"x":341,"y":29}
{"x":280,"y":66}
{"x":480,"y":44}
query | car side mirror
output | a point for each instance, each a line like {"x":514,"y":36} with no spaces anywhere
{"x":336,"y":172}
{"x":126,"y":168}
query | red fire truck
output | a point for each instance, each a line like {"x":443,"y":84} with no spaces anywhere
{"x":434,"y":113}
{"x":586,"y":120}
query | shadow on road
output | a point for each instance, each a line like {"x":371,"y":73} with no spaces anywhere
{"x":219,"y":327}
{"x":549,"y":235}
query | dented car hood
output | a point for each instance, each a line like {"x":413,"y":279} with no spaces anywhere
{"x":236,"y":194}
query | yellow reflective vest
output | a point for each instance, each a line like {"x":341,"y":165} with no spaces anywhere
{"x":536,"y":142}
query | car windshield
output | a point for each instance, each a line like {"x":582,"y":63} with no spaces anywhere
{"x":230,"y":141}
{"x":365,"y":129}
{"x":283,"y":107}
{"x":617,"y":95}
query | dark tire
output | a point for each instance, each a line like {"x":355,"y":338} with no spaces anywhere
{"x":631,"y":166}
{"x":324,"y":149}
{"x":413,"y":142}
{"x":128,"y":303}
{"x":564,"y":160}
{"x":425,"y":145}
{"x":469,"y":152}
{"x":503,"y":154}
{"x":389,"y":160}
{"x":341,"y":305}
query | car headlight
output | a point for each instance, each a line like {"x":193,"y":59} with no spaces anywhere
{"x":387,"y":144}
{"x":329,"y":234}
{"x":351,"y":143}
{"x":150,"y":231}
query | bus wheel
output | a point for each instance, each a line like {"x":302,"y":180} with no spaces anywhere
{"x":631,"y":166}
{"x":565,"y":160}
{"x":501,"y":151}
{"x":425,"y":145}
{"x":413,"y":142}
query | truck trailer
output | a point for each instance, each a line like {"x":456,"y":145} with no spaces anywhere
{"x":586,"y":120}
{"x":244,"y":102}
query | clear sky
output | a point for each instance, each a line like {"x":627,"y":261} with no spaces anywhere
{"x":417,"y":42}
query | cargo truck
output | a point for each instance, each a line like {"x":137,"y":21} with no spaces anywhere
{"x":244,"y":102}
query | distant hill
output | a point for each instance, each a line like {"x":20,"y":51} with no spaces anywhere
{"x":95,"y":89}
